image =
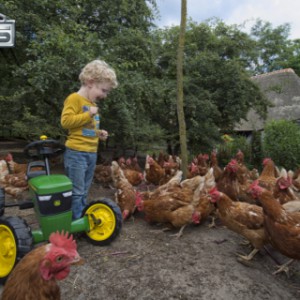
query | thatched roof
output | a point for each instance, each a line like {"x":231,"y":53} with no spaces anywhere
{"x":282,"y":88}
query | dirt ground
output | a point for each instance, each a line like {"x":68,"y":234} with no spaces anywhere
{"x":144,"y":262}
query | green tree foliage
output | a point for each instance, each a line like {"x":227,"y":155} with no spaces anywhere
{"x":218,"y":90}
{"x":281,"y":142}
{"x":55,"y":39}
{"x":273,"y":48}
{"x":293,"y":60}
{"x":131,"y":111}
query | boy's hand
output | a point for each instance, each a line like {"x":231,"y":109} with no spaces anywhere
{"x":103,"y":134}
{"x":93,"y":110}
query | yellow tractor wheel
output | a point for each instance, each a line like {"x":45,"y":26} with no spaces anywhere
{"x":105,"y":219}
{"x":15,"y":241}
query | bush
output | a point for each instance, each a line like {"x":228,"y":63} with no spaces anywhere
{"x":281,"y":142}
{"x":229,"y":149}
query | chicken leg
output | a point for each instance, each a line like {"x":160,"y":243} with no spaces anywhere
{"x":179,"y":233}
{"x":250,"y":255}
{"x":284,"y":268}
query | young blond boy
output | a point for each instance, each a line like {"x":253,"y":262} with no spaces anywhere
{"x":80,"y":117}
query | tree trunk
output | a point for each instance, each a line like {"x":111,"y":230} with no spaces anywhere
{"x":180,"y":101}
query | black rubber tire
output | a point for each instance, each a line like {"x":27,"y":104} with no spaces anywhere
{"x":110,"y":217}
{"x":22,"y":236}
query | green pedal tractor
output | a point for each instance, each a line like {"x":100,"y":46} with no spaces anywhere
{"x":51,"y":198}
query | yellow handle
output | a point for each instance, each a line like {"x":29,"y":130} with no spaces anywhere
{"x":43,"y":137}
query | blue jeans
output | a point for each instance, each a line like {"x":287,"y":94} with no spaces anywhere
{"x":79,"y":167}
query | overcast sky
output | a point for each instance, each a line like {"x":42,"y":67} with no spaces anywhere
{"x":231,"y":12}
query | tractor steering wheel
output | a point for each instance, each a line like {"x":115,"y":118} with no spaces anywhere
{"x":46,"y":148}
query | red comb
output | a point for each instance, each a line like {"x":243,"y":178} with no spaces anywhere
{"x":138,"y":201}
{"x":63,"y":240}
{"x":9,"y":157}
{"x":214,"y":195}
{"x":232,"y":165}
{"x":213,"y":190}
{"x":166,"y":164}
{"x":266,"y":160}
{"x":138,"y":195}
{"x":205,"y":156}
{"x":150,"y":160}
{"x":194,"y":167}
{"x":233,"y":162}
{"x":255,"y":189}
{"x":254,"y":184}
{"x":196,"y":217}
{"x":121,"y":160}
{"x":284,"y":183}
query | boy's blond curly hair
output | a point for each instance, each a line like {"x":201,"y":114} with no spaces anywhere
{"x":98,"y":71}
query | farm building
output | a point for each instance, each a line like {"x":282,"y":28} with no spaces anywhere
{"x":282,"y":88}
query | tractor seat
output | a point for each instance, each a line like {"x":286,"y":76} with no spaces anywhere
{"x":36,"y":168}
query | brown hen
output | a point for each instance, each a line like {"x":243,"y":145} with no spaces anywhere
{"x":35,"y":275}
{"x":243,"y":218}
{"x":281,"y":225}
{"x":102,"y":174}
{"x":215,"y":165}
{"x":283,"y":191}
{"x":154,"y":172}
{"x":202,"y":163}
{"x":15,"y":167}
{"x":268,"y":176}
{"x":134,"y":177}
{"x":193,"y":170}
{"x":230,"y":184}
{"x":13,"y":183}
{"x":172,"y":204}
{"x":125,"y":195}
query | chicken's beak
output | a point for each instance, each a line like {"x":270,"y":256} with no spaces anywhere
{"x":210,"y":198}
{"x":78,"y":260}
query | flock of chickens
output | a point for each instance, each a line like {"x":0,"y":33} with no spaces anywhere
{"x":263,"y":208}
{"x":13,"y":176}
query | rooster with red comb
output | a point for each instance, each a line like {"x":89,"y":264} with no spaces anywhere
{"x":34,"y":277}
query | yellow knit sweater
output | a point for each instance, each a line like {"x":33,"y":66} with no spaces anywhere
{"x":82,"y":128}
